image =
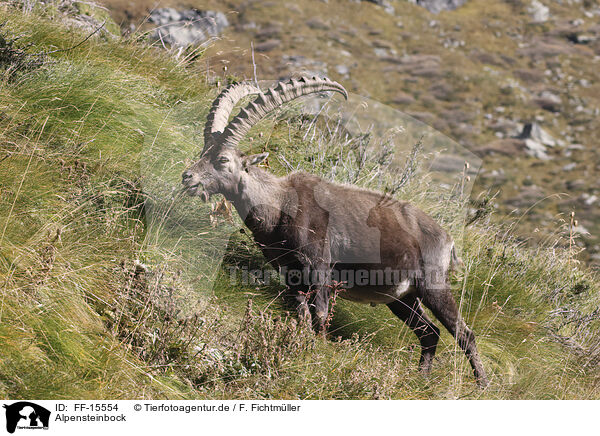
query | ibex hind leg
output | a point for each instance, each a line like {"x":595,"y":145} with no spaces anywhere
{"x":442,"y":304}
{"x":409,"y":310}
{"x":321,"y":305}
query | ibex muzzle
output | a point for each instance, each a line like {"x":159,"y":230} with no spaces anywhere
{"x":303,"y":223}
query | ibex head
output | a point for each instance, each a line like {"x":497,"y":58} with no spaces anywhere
{"x":222,"y":165}
{"x":219,"y":171}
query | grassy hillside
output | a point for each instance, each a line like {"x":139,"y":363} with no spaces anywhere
{"x":105,"y":268}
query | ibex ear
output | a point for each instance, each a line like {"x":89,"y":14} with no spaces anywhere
{"x":254,"y":159}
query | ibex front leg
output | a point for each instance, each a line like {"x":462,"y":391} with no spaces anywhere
{"x":322,"y":290}
{"x":299,"y":291}
{"x":302,"y":308}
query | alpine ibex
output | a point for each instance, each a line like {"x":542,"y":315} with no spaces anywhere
{"x":303,"y":223}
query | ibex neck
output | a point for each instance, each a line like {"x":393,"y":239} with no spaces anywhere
{"x":259,"y":194}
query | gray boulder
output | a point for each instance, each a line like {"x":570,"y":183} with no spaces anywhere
{"x":267,"y":45}
{"x":437,"y":6}
{"x":535,"y":149}
{"x":539,"y":12}
{"x":536,"y":140}
{"x":187,"y":27}
{"x":385,"y":5}
{"x":535,"y":132}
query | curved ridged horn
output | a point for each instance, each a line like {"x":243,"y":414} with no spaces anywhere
{"x":218,"y":116}
{"x":271,"y":100}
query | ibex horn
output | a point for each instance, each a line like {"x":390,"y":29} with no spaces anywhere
{"x":271,"y":100}
{"x":219,"y":113}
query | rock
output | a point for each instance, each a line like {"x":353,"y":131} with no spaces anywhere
{"x":573,"y":185}
{"x":415,"y":60}
{"x":547,"y":104}
{"x":451,"y":43}
{"x":334,"y":36}
{"x":456,"y":116}
{"x":87,"y":16}
{"x":317,"y":24}
{"x":402,"y":98}
{"x":269,"y":32}
{"x":497,"y":176}
{"x":569,"y":167}
{"x":578,"y":38}
{"x":538,"y":11}
{"x":437,"y":6}
{"x":442,"y":91}
{"x":507,"y":147}
{"x":548,"y":101}
{"x":535,"y":132}
{"x":585,"y":83}
{"x":577,"y":22}
{"x":187,"y":27}
{"x":506,"y":127}
{"x":540,"y":48}
{"x":487,"y":58}
{"x":529,"y":195}
{"x":515,"y":146}
{"x":415,"y":65}
{"x":381,"y":52}
{"x":250,"y":25}
{"x":385,"y":5}
{"x":342,"y":70}
{"x":381,"y":43}
{"x":588,"y":200}
{"x":581,"y":230}
{"x":441,"y":125}
{"x":508,"y":60}
{"x":424,"y":117}
{"x":536,"y":149}
{"x":529,"y":75}
{"x":267,"y":45}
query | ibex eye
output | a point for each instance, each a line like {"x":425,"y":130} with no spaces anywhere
{"x":223,"y":159}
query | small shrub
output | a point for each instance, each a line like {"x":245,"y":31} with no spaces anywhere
{"x":267,"y":343}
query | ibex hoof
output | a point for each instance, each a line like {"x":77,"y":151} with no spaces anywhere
{"x":482,"y":382}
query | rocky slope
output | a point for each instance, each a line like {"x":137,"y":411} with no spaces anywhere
{"x":514,"y":81}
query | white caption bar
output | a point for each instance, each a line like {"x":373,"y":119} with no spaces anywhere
{"x":250,"y":417}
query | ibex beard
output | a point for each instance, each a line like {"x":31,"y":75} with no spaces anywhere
{"x":302,"y":222}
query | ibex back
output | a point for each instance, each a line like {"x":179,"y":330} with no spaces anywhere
{"x":384,"y":250}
